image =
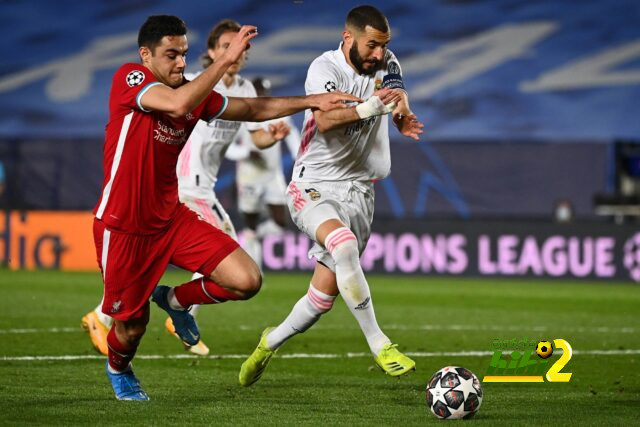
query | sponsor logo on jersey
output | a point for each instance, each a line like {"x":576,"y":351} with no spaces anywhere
{"x":134,"y":78}
{"x":169,"y":135}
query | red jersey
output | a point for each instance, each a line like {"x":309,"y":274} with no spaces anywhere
{"x":140,"y":187}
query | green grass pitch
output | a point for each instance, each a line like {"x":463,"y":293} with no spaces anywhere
{"x":50,"y":374}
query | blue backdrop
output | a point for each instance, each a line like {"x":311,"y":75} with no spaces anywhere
{"x":501,"y":85}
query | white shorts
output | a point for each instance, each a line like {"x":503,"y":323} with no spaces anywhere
{"x":313,"y":203}
{"x":253,"y":194}
{"x":210,"y":210}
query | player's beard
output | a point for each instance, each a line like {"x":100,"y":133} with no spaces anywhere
{"x":359,"y":62}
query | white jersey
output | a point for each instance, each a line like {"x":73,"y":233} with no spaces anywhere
{"x":202,"y":155}
{"x":270,"y":158}
{"x":358,"y":151}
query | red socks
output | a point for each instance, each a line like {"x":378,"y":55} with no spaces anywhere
{"x":202,"y":291}
{"x":119,"y":354}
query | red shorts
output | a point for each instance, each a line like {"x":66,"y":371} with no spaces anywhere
{"x":132,"y":264}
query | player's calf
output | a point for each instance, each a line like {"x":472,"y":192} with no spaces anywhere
{"x":306,"y":312}
{"x":342,"y":244}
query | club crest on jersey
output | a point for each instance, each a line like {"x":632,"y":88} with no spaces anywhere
{"x":330,"y":86}
{"x":378,"y":84}
{"x":313,"y":193}
{"x":134,"y":78}
{"x":115,"y":307}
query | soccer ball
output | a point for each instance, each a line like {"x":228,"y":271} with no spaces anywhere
{"x":544,"y":349}
{"x":453,"y":393}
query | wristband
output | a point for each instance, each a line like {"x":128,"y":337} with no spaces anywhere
{"x":374,"y":107}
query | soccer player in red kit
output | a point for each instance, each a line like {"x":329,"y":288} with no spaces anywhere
{"x":140,"y":226}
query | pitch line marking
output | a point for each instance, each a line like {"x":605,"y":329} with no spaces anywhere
{"x":396,"y":327}
{"x":297,"y":355}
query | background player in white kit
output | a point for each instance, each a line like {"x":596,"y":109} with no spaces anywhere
{"x":261,"y":183}
{"x":331,"y":196}
{"x":199,"y":163}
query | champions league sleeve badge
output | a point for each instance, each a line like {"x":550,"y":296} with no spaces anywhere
{"x":134,"y":78}
{"x":393,"y":67}
{"x":330,"y":86}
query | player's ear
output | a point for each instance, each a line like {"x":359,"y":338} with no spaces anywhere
{"x":145,"y":53}
{"x":211,"y":54}
{"x":347,"y":38}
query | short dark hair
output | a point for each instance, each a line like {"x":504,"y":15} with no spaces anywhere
{"x":158,"y":26}
{"x":361,"y":16}
{"x":223,"y":26}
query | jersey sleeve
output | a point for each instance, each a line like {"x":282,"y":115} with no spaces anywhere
{"x":393,"y":77}
{"x":130,"y":82}
{"x":214,"y":106}
{"x":393,"y":65}
{"x":322,"y":77}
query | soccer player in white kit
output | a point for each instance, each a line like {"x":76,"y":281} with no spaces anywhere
{"x":261,"y":183}
{"x":198,"y":166}
{"x":331,"y":196}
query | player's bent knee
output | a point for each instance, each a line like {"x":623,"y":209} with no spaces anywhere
{"x":250,"y":284}
{"x":342,"y":244}
{"x":239,"y":274}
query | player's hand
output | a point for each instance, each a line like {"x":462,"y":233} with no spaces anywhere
{"x":388,"y":96}
{"x":408,"y":125}
{"x":279,"y":130}
{"x":240,"y":43}
{"x":332,"y":100}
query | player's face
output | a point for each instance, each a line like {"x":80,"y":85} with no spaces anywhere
{"x":168,"y":60}
{"x":368,"y":49}
{"x":223,"y":44}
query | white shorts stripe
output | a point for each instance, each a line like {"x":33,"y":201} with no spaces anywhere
{"x":105,"y":254}
{"x":116,"y":162}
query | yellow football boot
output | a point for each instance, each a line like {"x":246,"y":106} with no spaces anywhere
{"x":253,"y":368}
{"x":97,"y":331}
{"x":393,"y":362}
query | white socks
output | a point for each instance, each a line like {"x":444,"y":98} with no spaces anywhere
{"x":305,"y":313}
{"x":175,"y":304}
{"x":342,"y":244}
{"x":195,"y":307}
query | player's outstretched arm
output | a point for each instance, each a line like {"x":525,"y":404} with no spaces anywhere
{"x":267,"y":108}
{"x":184,"y":99}
{"x":382,"y":102}
{"x":266,"y":138}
